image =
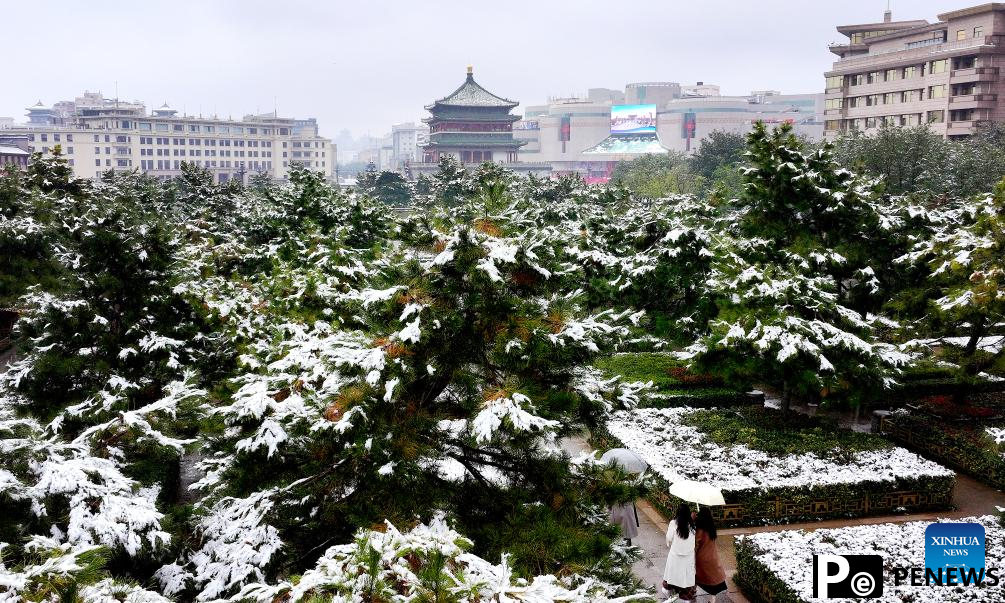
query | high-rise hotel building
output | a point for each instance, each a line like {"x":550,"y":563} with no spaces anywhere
{"x":96,"y":134}
{"x":948,"y":74}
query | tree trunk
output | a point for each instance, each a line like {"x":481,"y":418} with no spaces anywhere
{"x":968,"y":364}
{"x":786,"y":397}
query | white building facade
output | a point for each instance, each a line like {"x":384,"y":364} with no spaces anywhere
{"x":106,"y":135}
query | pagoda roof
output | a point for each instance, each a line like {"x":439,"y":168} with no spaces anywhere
{"x":509,"y":143}
{"x":471,"y":94}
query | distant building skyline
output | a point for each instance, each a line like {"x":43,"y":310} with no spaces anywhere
{"x":364,"y":67}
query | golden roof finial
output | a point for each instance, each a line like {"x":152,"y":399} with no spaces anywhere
{"x":471,"y":70}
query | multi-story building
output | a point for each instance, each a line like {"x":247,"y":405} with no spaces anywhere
{"x":103,"y":134}
{"x":683,"y":123}
{"x":568,"y":133}
{"x":946,"y":74}
{"x":407,"y":140}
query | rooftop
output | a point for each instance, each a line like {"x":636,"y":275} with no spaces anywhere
{"x":471,"y":94}
{"x":9,"y":150}
{"x":973,"y":10}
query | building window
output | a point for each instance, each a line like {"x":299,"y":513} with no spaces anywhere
{"x":909,"y":72}
{"x":937,"y":91}
{"x":162,"y":127}
{"x":97,"y":162}
{"x":889,"y":98}
{"x":978,"y":31}
{"x":45,"y":138}
{"x":69,"y":138}
{"x":145,"y":126}
{"x":890,"y":75}
{"x":965,"y":62}
{"x":937,"y":117}
{"x":69,"y":150}
{"x":961,"y":34}
{"x":939,"y":66}
{"x":55,"y":137}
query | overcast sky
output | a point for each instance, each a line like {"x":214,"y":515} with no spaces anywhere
{"x":366,"y":65}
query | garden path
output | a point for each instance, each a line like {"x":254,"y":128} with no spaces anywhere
{"x":970,"y":496}
{"x":652,"y":541}
{"x":7,"y":356}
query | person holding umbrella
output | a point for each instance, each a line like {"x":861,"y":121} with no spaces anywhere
{"x":625,"y":514}
{"x":681,"y":569}
{"x":679,"y":573}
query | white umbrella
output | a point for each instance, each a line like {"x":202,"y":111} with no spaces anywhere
{"x":628,"y":460}
{"x":697,"y":492}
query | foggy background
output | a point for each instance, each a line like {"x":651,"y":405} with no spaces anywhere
{"x":361,"y":66}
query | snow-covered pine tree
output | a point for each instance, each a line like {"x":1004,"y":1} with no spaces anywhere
{"x":794,"y":288}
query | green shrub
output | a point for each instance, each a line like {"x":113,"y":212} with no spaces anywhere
{"x":759,"y":583}
{"x":964,"y":447}
{"x":781,"y":433}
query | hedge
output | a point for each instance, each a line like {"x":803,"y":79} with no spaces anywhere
{"x":673,"y":384}
{"x":965,"y":449}
{"x":759,"y":583}
{"x":943,"y":386}
{"x":795,"y":504}
{"x":705,"y":398}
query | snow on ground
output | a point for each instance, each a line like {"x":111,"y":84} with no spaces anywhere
{"x":678,"y":451}
{"x":788,"y":554}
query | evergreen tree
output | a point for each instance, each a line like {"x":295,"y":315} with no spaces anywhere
{"x":965,"y":257}
{"x":786,"y":286}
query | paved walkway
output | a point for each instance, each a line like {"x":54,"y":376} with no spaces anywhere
{"x":652,"y":541}
{"x":7,"y":356}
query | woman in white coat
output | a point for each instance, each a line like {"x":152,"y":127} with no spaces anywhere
{"x":678,"y":577}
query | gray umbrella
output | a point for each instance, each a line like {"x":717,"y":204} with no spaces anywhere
{"x":628,"y":460}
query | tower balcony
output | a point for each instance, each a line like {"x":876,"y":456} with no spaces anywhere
{"x":973,"y":74}
{"x":973,"y":101}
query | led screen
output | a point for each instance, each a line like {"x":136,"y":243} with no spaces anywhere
{"x":633,"y":119}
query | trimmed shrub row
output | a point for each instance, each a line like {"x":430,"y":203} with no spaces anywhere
{"x":967,"y":449}
{"x":908,"y":494}
{"x":759,"y":583}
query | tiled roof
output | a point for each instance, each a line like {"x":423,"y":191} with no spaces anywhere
{"x":8,"y":150}
{"x":471,"y":94}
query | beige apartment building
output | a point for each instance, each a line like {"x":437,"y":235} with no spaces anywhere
{"x":947,"y":74}
{"x":97,"y":134}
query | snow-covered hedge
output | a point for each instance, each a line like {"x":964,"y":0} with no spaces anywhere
{"x":777,"y":566}
{"x":973,"y":450}
{"x":763,"y":488}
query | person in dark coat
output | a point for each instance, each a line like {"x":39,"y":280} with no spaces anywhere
{"x":709,"y":574}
